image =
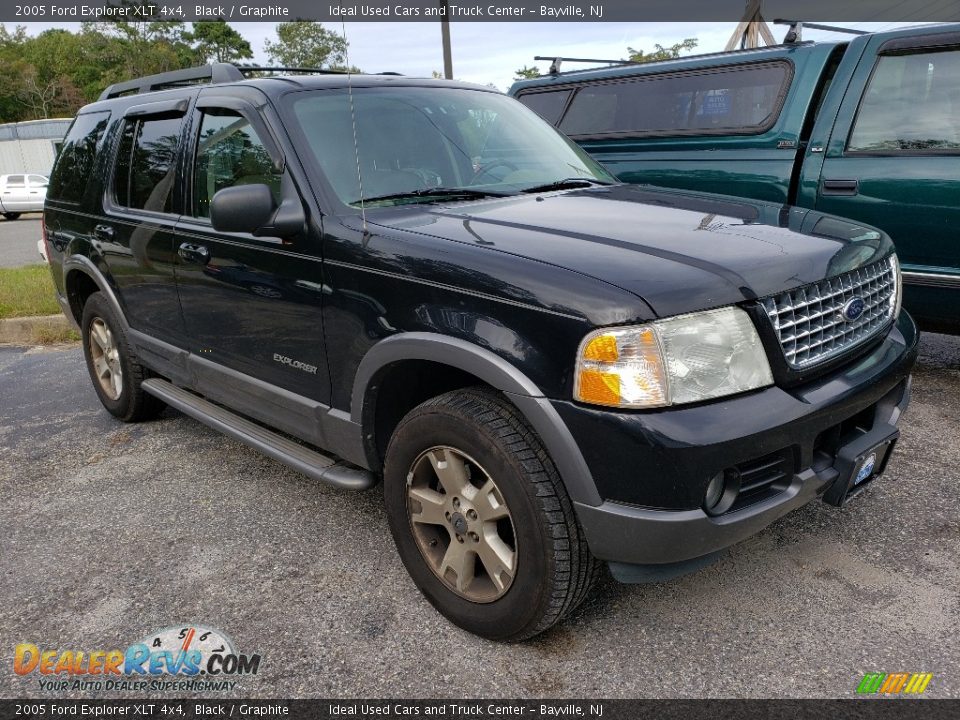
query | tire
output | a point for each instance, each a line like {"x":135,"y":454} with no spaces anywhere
{"x":114,"y":370}
{"x":550,"y":569}
{"x":11,"y":215}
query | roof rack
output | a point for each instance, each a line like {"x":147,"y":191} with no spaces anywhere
{"x":796,"y":29}
{"x":555,"y":62}
{"x":213,"y":74}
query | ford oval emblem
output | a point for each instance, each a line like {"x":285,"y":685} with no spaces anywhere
{"x":853,"y":309}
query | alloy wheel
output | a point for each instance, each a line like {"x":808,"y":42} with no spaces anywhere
{"x":461,"y":524}
{"x":105,"y":356}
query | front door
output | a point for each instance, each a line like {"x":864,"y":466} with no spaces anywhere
{"x":251,"y":304}
{"x":894,"y":162}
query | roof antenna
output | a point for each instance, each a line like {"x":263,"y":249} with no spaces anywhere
{"x":353,"y":120}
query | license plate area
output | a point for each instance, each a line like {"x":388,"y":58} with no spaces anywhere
{"x":858,"y":464}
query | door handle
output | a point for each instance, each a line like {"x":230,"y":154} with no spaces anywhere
{"x":103,"y":232}
{"x":840,"y":187}
{"x":198,"y":254}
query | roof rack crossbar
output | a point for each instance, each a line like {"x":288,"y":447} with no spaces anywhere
{"x":215,"y":73}
{"x":555,"y":62}
{"x":816,"y":26}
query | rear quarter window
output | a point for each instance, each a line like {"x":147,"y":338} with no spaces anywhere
{"x":735,"y":99}
{"x":74,"y":167}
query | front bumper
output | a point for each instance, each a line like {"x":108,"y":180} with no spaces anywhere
{"x":653,"y":468}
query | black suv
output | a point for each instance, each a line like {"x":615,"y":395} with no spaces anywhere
{"x":420,"y":280}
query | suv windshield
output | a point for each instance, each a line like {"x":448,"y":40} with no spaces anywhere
{"x":429,"y":144}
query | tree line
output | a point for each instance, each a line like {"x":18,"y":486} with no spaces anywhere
{"x":55,"y":73}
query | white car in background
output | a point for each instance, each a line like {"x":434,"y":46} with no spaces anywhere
{"x":22,"y":193}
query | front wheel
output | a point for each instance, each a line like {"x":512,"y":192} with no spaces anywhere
{"x":11,"y":215}
{"x":481,"y":519}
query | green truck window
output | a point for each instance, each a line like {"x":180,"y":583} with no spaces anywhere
{"x":741,"y":99}
{"x":548,"y":105}
{"x":911,"y":105}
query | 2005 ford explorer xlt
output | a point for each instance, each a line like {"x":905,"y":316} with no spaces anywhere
{"x":376,"y":277}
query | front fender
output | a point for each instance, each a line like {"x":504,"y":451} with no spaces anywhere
{"x":495,"y":372}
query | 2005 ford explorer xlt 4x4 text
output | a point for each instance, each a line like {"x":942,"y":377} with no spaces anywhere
{"x":420,"y":280}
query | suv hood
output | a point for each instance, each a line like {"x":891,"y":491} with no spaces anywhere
{"x":680,"y":252}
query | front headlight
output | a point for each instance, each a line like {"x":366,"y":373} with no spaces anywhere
{"x":682,"y":359}
{"x":897,"y":297}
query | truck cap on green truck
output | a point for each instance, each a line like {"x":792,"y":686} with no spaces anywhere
{"x":867,"y":128}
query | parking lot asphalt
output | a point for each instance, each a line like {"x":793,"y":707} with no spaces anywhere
{"x":111,"y":531}
{"x":18,"y":241}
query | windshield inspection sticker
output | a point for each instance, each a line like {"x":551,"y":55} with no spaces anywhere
{"x":187,"y":658}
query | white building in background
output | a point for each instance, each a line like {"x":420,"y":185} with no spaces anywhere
{"x":31,"y":146}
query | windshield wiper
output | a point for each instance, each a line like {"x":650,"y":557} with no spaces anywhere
{"x":565,"y":184}
{"x":437,"y":192}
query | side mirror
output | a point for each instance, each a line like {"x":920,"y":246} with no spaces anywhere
{"x":241,"y":208}
{"x":251,"y":209}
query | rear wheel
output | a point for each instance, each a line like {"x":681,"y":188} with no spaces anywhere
{"x":11,"y":216}
{"x":481,"y":519}
{"x":114,"y":369}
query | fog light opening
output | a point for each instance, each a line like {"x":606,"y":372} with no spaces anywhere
{"x":722,"y":491}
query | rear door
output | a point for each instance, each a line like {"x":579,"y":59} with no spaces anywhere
{"x":251,"y":304}
{"x":36,"y":191}
{"x":893,"y":160}
{"x":142,"y":203}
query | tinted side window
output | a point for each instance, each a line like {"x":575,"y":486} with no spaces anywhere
{"x":740,"y":99}
{"x":911,"y":104}
{"x":146,"y":159}
{"x":547,"y":105}
{"x":15,"y":181}
{"x":77,"y":157}
{"x":229,"y":152}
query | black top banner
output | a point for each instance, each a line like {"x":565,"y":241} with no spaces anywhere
{"x":480,"y":11}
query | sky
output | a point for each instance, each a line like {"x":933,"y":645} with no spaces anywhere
{"x":489,"y":53}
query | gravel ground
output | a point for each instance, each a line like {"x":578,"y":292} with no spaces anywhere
{"x":18,"y":241}
{"x":111,"y":531}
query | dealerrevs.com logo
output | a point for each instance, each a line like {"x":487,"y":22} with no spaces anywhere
{"x":204,"y":659}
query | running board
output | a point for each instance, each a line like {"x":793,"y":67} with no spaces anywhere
{"x":309,"y":462}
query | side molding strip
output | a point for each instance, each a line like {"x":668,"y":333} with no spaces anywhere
{"x":931,"y":279}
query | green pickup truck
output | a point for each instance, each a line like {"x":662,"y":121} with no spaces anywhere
{"x":866,"y":128}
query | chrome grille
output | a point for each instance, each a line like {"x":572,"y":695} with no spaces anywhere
{"x":810,"y":321}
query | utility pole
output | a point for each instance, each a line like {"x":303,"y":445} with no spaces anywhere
{"x":751,"y":29}
{"x":445,"y":36}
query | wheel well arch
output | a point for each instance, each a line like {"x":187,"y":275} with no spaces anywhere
{"x":79,"y":286}
{"x":405,"y":369}
{"x":82,"y":278}
{"x":403,"y":385}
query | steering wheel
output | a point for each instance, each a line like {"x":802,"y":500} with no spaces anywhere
{"x":485,"y":169}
